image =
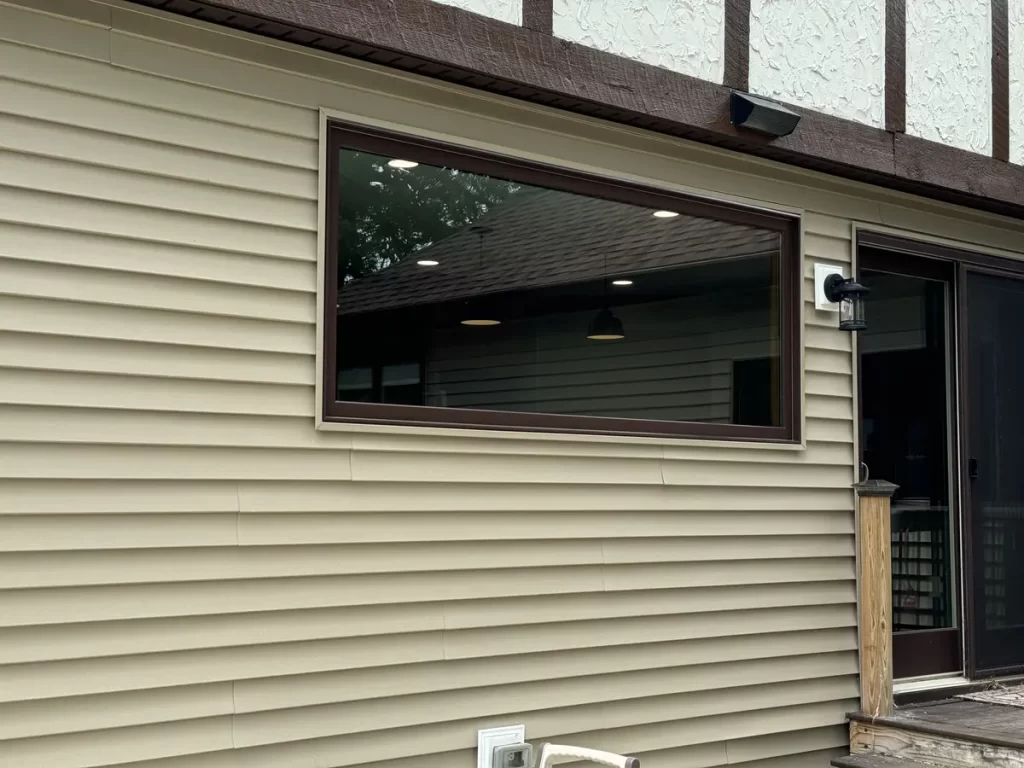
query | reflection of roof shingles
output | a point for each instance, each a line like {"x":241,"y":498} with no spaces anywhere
{"x":543,"y":238}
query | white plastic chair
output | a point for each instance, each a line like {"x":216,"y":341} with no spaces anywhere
{"x":549,"y":752}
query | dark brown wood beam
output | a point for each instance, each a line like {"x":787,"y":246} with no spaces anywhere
{"x":1000,"y":80}
{"x":737,"y":44}
{"x":539,"y":15}
{"x":444,"y":42}
{"x":896,"y":66}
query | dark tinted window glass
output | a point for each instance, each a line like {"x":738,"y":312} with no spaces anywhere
{"x":995,"y":386}
{"x":461,"y":290}
{"x":904,"y":367}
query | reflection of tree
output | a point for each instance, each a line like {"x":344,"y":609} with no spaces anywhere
{"x":387,"y":214}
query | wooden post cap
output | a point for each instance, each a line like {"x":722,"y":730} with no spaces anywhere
{"x":875,"y":488}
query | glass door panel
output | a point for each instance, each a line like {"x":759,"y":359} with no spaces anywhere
{"x":995,"y":468}
{"x":906,"y":385}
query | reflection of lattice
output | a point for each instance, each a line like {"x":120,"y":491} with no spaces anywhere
{"x":1002,"y":553}
{"x":920,"y":571}
{"x":994,"y":558}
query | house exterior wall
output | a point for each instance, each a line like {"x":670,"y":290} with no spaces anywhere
{"x":821,"y":54}
{"x":503,"y":10}
{"x":1016,"y":66}
{"x":194,"y":575}
{"x":680,"y":35}
{"x":824,"y":55}
{"x":949,"y":72}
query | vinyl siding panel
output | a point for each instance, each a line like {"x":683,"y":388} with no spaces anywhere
{"x":192,"y":575}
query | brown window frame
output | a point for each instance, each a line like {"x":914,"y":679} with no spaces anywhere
{"x":342,"y":135}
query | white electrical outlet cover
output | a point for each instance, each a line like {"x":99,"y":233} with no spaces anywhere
{"x":489,"y":738}
{"x":822,"y":271}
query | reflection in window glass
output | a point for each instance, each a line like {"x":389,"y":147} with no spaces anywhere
{"x":904,"y":366}
{"x":401,"y":384}
{"x":460,"y":290}
{"x":356,"y":384}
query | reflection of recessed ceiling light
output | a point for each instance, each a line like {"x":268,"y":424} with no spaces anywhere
{"x":402,"y":163}
{"x":481,"y":322}
{"x":665,"y":214}
{"x":622,"y":282}
{"x":428,"y":263}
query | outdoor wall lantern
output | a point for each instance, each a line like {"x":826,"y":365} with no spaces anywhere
{"x":835,"y":293}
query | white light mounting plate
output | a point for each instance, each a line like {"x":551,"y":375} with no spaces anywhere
{"x":489,"y":738}
{"x":821,"y":272}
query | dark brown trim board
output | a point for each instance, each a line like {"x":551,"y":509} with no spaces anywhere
{"x":444,"y":42}
{"x":1000,"y":80}
{"x":446,"y":155}
{"x":737,"y":44}
{"x":968,"y":612}
{"x":926,"y":652}
{"x":539,"y":15}
{"x":896,"y":66}
{"x":946,"y":253}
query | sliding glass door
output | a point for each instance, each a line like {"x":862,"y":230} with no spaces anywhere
{"x":992,"y":305}
{"x":942,"y":416}
{"x":907,"y":409}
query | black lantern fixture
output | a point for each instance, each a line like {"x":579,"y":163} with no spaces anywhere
{"x":850,"y":296}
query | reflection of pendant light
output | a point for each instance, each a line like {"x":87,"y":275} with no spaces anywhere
{"x":475,"y":319}
{"x":605,"y":326}
{"x":471,"y":314}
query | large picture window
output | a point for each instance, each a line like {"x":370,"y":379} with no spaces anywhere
{"x":476,"y":291}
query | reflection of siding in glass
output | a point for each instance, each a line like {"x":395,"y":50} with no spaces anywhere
{"x":355,"y":384}
{"x":676,"y":362}
{"x":401,"y":384}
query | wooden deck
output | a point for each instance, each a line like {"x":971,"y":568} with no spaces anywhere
{"x":949,"y":734}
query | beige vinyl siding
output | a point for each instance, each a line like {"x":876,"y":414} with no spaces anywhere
{"x":192,"y":575}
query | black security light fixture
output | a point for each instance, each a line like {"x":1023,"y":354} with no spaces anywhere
{"x":849,"y":294}
{"x":757,"y":114}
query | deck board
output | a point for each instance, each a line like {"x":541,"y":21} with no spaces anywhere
{"x":975,"y":721}
{"x":996,"y":721}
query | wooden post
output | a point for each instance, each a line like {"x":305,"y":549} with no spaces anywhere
{"x":875,"y":596}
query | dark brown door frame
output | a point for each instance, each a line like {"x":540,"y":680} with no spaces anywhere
{"x":928,"y":651}
{"x":999,"y":268}
{"x":960,"y":261}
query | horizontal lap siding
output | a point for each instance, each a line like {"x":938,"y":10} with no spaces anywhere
{"x":191,"y":575}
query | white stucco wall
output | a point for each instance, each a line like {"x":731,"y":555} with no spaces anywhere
{"x":1017,"y":81}
{"x":686,"y":36}
{"x":503,"y":10}
{"x":827,"y":55}
{"x":949,"y":72}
